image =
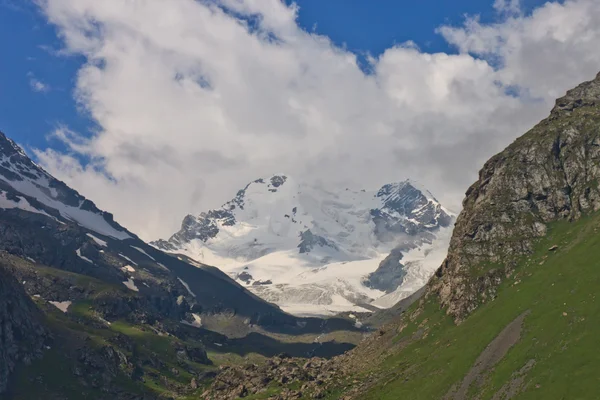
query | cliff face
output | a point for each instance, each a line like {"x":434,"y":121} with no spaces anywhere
{"x":21,"y":334}
{"x":550,"y":173}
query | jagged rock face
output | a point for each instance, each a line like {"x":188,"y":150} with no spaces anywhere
{"x":309,"y":241}
{"x":396,"y":209}
{"x":388,"y":276}
{"x":419,"y":211}
{"x":21,"y":334}
{"x":550,"y":173}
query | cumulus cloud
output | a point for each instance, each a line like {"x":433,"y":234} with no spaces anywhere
{"x":508,"y":6}
{"x":193,"y":99}
{"x":36,"y":85}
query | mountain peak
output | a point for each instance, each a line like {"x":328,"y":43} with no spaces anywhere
{"x":8,"y":147}
{"x":585,"y":94}
{"x":25,"y":185}
{"x":280,"y":229}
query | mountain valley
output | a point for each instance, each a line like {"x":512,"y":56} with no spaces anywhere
{"x":372,"y":303}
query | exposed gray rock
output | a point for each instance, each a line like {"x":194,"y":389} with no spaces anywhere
{"x":309,"y":241}
{"x":418,"y":212}
{"x":390,"y":273}
{"x":550,"y":173}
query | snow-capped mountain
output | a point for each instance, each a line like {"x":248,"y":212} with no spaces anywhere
{"x":19,"y":174}
{"x":312,"y":250}
{"x":45,"y":222}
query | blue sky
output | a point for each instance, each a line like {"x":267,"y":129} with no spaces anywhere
{"x":29,"y":46}
{"x":189,"y":106}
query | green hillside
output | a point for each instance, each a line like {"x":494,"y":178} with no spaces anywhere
{"x":555,"y":355}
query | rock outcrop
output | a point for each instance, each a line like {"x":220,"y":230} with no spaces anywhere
{"x":550,"y":173}
{"x":298,"y":378}
{"x":22,"y":337}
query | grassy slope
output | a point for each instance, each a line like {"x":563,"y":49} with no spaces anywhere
{"x":564,"y":347}
{"x":81,"y":326}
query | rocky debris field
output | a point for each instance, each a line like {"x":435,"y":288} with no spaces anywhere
{"x":283,"y":376}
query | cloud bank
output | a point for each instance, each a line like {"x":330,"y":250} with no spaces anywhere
{"x":193,"y":99}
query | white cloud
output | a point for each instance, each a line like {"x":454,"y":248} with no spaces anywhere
{"x":37,"y":85}
{"x":194,"y":101}
{"x":508,"y":6}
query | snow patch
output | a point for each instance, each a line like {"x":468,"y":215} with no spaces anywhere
{"x":84,"y":258}
{"x":61,"y":305}
{"x":128,"y":259}
{"x":128,"y":268}
{"x":162,"y":266}
{"x":197,"y":323}
{"x":21,"y":204}
{"x":130,"y":284}
{"x":97,"y":240}
{"x":144,"y":253}
{"x":39,"y":188}
{"x":187,"y":287}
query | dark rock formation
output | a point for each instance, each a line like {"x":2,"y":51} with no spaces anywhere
{"x":22,"y":336}
{"x":309,"y":241}
{"x":390,"y":273}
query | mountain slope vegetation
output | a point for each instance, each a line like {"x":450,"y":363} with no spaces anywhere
{"x":512,"y":311}
{"x":88,"y":310}
{"x":510,"y":314}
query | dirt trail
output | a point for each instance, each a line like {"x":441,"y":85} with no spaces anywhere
{"x":493,"y":353}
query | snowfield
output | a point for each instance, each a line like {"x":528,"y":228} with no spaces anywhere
{"x":311,"y":249}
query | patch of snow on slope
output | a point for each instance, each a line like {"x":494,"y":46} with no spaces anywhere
{"x":128,"y":259}
{"x":187,"y":287}
{"x":61,"y":305}
{"x":87,"y":219}
{"x":130,"y":284}
{"x":22,"y":204}
{"x":162,"y":266}
{"x":97,"y":240}
{"x":143,"y":252}
{"x":128,"y":268}
{"x":197,"y":323}
{"x":301,"y":288}
{"x":83,"y":257}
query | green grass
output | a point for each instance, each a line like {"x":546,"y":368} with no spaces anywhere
{"x":51,"y":374}
{"x":565,"y":348}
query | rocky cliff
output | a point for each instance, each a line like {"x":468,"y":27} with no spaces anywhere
{"x":22,"y":336}
{"x":548,"y":174}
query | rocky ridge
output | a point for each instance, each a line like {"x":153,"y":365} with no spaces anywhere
{"x":550,"y":173}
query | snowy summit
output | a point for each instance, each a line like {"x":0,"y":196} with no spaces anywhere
{"x":315,"y":251}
